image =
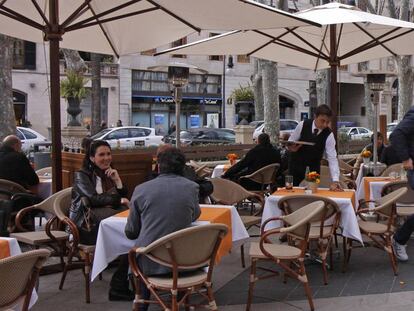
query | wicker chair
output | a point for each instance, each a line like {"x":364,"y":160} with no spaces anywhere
{"x":172,"y":251}
{"x":394,"y":168}
{"x":18,"y":276}
{"x":321,"y":232}
{"x":61,"y":207}
{"x":383,"y":226}
{"x":289,"y":257}
{"x":227,"y":192}
{"x":264,"y":176}
{"x":56,"y":239}
{"x":201,"y":169}
{"x":46,"y":171}
{"x":346,"y":169}
{"x":405,"y":204}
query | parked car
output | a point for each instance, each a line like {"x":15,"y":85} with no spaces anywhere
{"x":129,"y":136}
{"x":355,"y":133}
{"x":29,"y":137}
{"x":203,"y":135}
{"x":390,"y":128}
{"x":256,"y":124}
{"x":286,"y":126}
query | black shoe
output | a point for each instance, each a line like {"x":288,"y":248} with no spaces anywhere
{"x":118,"y":295}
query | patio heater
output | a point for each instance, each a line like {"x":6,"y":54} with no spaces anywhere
{"x":376,"y":83}
{"x":178,"y":77}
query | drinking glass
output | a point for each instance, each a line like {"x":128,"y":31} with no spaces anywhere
{"x":289,"y":182}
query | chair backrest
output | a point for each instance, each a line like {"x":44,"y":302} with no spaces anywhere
{"x":189,"y":248}
{"x":394,"y":168}
{"x":407,"y":198}
{"x":265,"y":175}
{"x":387,"y":203}
{"x":47,"y":204}
{"x":62,"y":202}
{"x":18,"y":275}
{"x":298,"y":222}
{"x":345,"y":166}
{"x":10,"y":187}
{"x":46,"y":171}
{"x":228,"y":192}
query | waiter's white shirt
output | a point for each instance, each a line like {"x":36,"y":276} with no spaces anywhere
{"x":330,"y":150}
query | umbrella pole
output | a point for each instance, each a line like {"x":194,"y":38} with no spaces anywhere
{"x":333,"y":80}
{"x":177,"y":98}
{"x":54,"y":39}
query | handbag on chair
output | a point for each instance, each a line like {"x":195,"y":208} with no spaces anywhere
{"x":88,"y":231}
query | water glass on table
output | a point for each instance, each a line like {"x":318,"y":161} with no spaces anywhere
{"x":289,"y":182}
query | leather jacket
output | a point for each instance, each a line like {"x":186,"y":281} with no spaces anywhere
{"x":84,"y":185}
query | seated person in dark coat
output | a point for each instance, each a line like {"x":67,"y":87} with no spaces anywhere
{"x":159,"y":207}
{"x":260,"y":156}
{"x":390,"y":156}
{"x":15,"y":166}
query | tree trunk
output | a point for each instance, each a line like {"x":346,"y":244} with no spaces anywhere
{"x":271,"y":99}
{"x":257,"y":81}
{"x":7,"y":117}
{"x":96,"y":93}
{"x":74,"y":61}
{"x":322,"y":86}
{"x":369,"y":109}
{"x":405,"y":82}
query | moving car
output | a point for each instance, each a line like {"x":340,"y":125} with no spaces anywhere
{"x":203,"y":135}
{"x":286,"y":126}
{"x":356,"y":132}
{"x":129,"y":137}
{"x":29,"y":137}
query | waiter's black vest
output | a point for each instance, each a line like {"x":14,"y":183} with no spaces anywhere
{"x":308,"y":155}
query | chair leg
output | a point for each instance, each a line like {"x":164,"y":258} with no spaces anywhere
{"x":389,"y":249}
{"x":304,"y":280}
{"x":325,"y":272}
{"x":331,"y":257}
{"x":251,"y":283}
{"x":65,"y":269}
{"x":87,"y":271}
{"x":243,"y":263}
{"x":210,"y":296}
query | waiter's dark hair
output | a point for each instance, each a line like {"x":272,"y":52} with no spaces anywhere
{"x":323,"y":110}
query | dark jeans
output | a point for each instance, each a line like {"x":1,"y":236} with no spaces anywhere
{"x":403,"y":234}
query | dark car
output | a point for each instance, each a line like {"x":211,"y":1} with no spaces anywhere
{"x":203,"y":135}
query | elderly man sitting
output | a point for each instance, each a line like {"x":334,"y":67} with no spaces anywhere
{"x":161,"y":206}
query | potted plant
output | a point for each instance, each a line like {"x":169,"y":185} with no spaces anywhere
{"x":243,"y":96}
{"x":313,"y":179}
{"x":73,"y":90}
{"x":366,"y":156}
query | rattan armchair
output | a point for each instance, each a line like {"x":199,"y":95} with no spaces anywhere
{"x":84,"y":252}
{"x":394,"y":168}
{"x":227,"y":192}
{"x":264,"y":176}
{"x":382,"y":228}
{"x":202,"y":170}
{"x":18,"y":276}
{"x":323,"y":231}
{"x":173,"y":251}
{"x":288,"y":257}
{"x":405,"y":204}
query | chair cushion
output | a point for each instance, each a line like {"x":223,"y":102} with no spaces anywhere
{"x":277,"y":250}
{"x":372,"y":227}
{"x":250,"y":220}
{"x":189,"y":279}
{"x":315,"y":232}
{"x":38,"y":237}
{"x":87,"y":248}
{"x":403,"y":210}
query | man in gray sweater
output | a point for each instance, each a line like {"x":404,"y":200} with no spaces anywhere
{"x":161,"y":206}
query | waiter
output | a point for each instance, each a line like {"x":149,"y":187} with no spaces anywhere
{"x":315,"y":131}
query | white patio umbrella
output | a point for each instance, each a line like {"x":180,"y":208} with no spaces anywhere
{"x":121,"y":27}
{"x":348,"y":35}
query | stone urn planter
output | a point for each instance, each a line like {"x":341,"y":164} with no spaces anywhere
{"x":73,"y":110}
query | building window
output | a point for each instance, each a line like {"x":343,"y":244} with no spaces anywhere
{"x":243,"y":59}
{"x":215,"y":57}
{"x":24,"y":54}
{"x":363,"y":111}
{"x":149,"y":52}
{"x":178,"y":43}
{"x":343,"y":67}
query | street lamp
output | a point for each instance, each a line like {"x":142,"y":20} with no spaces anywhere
{"x":229,"y":71}
{"x":178,"y":76}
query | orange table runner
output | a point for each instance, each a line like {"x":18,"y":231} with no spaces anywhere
{"x":4,"y":249}
{"x":322,"y":192}
{"x":213,"y":215}
{"x":368,"y":180}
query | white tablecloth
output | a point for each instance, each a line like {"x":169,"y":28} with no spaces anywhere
{"x":218,"y":171}
{"x":112,"y":241}
{"x":348,"y":223}
{"x":15,"y":250}
{"x":375,"y":188}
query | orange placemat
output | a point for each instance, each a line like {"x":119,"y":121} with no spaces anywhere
{"x":226,"y":167}
{"x":219,"y":215}
{"x":321,"y":192}
{"x":4,"y":249}
{"x":122,"y":214}
{"x":368,"y":180}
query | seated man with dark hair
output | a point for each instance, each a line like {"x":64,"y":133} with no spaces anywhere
{"x":161,"y":206}
{"x":259,"y":156}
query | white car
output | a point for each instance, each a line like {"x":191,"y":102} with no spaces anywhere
{"x":29,"y":137}
{"x":286,"y":126}
{"x":129,"y":137}
{"x":390,"y":128}
{"x":356,"y":132}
